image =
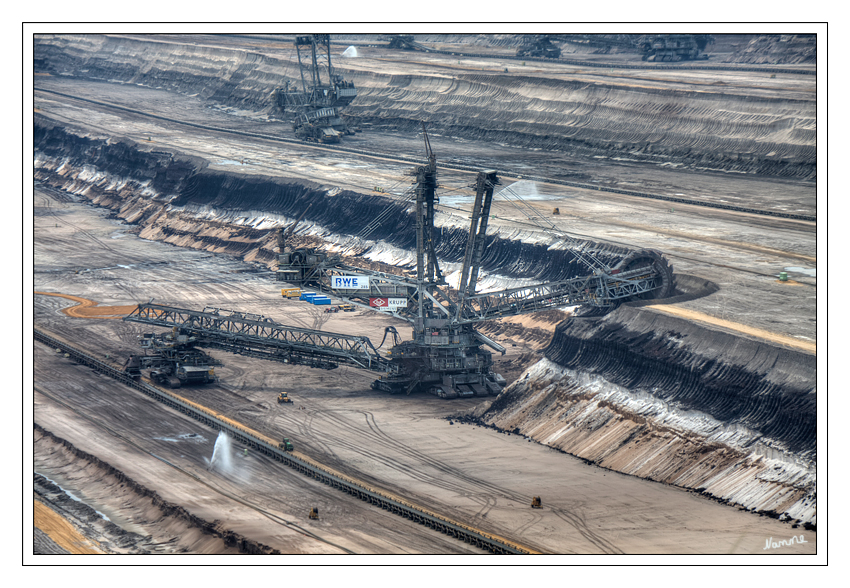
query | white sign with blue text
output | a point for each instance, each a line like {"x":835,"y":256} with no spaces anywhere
{"x":350,"y":282}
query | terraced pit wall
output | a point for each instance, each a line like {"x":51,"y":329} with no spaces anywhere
{"x":648,"y":395}
{"x":666,"y":399}
{"x":174,"y":198}
{"x":718,"y":128}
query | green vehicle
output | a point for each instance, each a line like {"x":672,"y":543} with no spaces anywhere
{"x":286,"y":444}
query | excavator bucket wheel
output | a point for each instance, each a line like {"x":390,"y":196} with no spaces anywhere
{"x":644,"y":257}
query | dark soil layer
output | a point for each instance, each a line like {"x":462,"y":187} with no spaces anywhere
{"x":766,"y":388}
{"x":87,"y":516}
{"x":185,"y":182}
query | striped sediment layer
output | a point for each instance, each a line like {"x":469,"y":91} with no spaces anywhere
{"x":657,"y":397}
{"x":635,"y":390}
{"x":175,"y":198}
{"x":715,"y":128}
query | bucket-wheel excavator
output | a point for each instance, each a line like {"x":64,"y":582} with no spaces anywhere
{"x":446,"y":355}
{"x":317,"y":106}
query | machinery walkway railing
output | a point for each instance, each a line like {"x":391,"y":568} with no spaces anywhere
{"x":257,"y":336}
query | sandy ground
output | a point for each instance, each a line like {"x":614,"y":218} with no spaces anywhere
{"x":408,"y":444}
{"x":405,"y":444}
{"x":742,"y":253}
{"x":90,"y":309}
{"x":60,"y":531}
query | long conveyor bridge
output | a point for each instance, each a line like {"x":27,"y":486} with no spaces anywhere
{"x":257,"y":336}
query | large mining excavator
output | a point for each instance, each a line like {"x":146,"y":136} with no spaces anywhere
{"x":317,"y":106}
{"x":652,"y":48}
{"x":446,"y":355}
{"x":656,"y":48}
{"x":173,"y":360}
{"x":406,"y":42}
{"x":539,"y":46}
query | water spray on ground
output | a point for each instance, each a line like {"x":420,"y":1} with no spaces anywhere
{"x":222,"y":455}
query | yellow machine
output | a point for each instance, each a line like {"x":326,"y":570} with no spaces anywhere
{"x":346,"y":307}
{"x":290,"y":292}
{"x":314,"y":513}
{"x":535,"y":502}
{"x":283,"y":398}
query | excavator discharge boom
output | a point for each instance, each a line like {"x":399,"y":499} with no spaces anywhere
{"x":446,"y":355}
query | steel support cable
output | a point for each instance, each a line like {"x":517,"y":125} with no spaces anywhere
{"x":577,"y":247}
{"x":407,"y":196}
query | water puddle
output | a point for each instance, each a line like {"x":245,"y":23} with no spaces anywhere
{"x":525,"y":190}
{"x":192,"y":437}
{"x":522,"y":190}
{"x":351,"y":166}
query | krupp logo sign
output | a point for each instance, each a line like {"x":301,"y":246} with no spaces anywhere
{"x":350,"y":282}
{"x":388,"y":303}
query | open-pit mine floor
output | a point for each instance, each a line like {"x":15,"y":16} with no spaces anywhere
{"x":688,"y":425}
{"x":116,"y":448}
{"x":742,"y":253}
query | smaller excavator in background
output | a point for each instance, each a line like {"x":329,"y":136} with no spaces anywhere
{"x":317,"y":106}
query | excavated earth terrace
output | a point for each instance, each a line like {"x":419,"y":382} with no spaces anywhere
{"x":680,"y":391}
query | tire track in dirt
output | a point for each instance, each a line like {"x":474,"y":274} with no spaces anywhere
{"x":86,"y":308}
{"x":271,"y":516}
{"x":489,"y":491}
{"x":95,"y":240}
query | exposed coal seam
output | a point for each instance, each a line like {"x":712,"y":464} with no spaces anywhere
{"x":57,"y":498}
{"x":188,"y":183}
{"x":698,"y":130}
{"x":766,"y":388}
{"x":641,"y":359}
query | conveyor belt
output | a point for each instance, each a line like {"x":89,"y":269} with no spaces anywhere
{"x":296,"y":461}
